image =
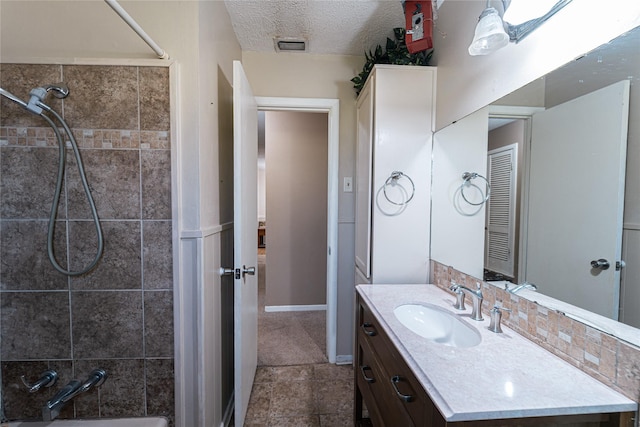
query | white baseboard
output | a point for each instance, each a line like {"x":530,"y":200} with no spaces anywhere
{"x":274,"y":308}
{"x":344,"y":359}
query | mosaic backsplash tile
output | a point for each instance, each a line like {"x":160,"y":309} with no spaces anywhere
{"x":604,"y":357}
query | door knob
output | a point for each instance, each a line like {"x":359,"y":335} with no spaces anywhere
{"x":251,"y":271}
{"x":226,"y":271}
{"x":601,"y":264}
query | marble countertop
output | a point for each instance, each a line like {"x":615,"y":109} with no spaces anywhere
{"x":505,"y":376}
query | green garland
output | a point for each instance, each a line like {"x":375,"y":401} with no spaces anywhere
{"x":396,"y":53}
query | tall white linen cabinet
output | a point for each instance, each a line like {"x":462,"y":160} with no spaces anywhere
{"x":395,"y":117}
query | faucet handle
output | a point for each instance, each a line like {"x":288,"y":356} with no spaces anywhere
{"x":47,"y":379}
{"x":496,"y":317}
{"x":459,"y":304}
{"x":96,"y":378}
{"x":479,"y":289}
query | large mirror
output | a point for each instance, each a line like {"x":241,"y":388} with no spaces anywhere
{"x":563,"y":214}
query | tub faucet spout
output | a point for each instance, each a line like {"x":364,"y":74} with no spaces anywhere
{"x":517,"y":288}
{"x":52,"y":408}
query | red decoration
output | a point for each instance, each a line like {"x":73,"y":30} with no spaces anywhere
{"x":419,"y":25}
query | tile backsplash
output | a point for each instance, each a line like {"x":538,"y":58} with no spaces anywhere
{"x":613,"y":362}
{"x":120,"y":315}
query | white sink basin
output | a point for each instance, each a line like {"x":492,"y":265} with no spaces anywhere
{"x":437,"y":324}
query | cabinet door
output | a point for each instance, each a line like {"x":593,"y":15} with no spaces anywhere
{"x":364,"y":161}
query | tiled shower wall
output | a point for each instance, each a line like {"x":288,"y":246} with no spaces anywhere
{"x":120,"y":315}
{"x":611,"y":361}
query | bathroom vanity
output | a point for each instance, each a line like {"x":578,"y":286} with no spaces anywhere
{"x":404,"y":379}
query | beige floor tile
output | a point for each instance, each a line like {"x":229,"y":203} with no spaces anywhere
{"x":259,"y":401}
{"x":257,"y":422}
{"x":292,"y":398}
{"x":334,"y":396}
{"x":328,"y":371}
{"x":297,"y":421}
{"x":292,"y":373}
{"x":336,"y":420}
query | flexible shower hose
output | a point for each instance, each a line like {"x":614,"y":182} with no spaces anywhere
{"x":58,"y":191}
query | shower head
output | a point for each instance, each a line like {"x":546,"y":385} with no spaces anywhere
{"x":38,"y":95}
{"x":60,"y":90}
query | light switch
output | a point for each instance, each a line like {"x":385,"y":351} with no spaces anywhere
{"x":348,"y":184}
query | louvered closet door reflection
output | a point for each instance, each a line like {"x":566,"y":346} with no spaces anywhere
{"x":500,"y":237}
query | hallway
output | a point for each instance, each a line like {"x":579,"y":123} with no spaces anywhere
{"x":294,"y":384}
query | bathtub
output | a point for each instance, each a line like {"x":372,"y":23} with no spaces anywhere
{"x":102,"y":422}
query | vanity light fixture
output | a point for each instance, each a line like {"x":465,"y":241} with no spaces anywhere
{"x":493,"y":33}
{"x":490,"y":34}
{"x":522,"y":17}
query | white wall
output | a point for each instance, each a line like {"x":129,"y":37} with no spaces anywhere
{"x":467,"y":83}
{"x":296,"y":143}
{"x":262,"y":191}
{"x":630,"y":292}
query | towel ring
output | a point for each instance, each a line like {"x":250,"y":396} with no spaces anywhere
{"x":393,"y":179}
{"x":467,"y":177}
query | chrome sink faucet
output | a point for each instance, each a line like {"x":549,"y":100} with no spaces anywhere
{"x":517,"y":288}
{"x":476,"y":297}
{"x":52,"y":408}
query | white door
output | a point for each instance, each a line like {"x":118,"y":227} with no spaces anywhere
{"x":576,"y":198}
{"x":245,"y":239}
{"x":501,"y":210}
{"x":364,"y":162}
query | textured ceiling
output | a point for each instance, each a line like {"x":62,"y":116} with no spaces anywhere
{"x":341,"y":27}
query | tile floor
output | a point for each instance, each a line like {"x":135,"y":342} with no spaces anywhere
{"x":294,"y":386}
{"x":319,"y":395}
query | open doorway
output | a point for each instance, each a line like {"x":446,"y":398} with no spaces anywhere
{"x":505,"y":157}
{"x":328,"y":110}
{"x":292,"y":237}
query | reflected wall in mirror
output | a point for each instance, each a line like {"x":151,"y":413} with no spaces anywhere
{"x":464,"y":146}
{"x":556,"y":219}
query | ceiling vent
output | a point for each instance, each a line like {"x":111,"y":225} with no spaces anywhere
{"x":287,"y":44}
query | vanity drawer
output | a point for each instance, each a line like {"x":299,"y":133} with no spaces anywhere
{"x":399,"y":391}
{"x":369,"y":331}
{"x":372,"y":382}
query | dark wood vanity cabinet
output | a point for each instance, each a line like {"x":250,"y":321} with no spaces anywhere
{"x":384,"y":382}
{"x":393,"y":397}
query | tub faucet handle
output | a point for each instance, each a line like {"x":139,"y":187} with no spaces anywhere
{"x":47,"y":379}
{"x":96,"y":378}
